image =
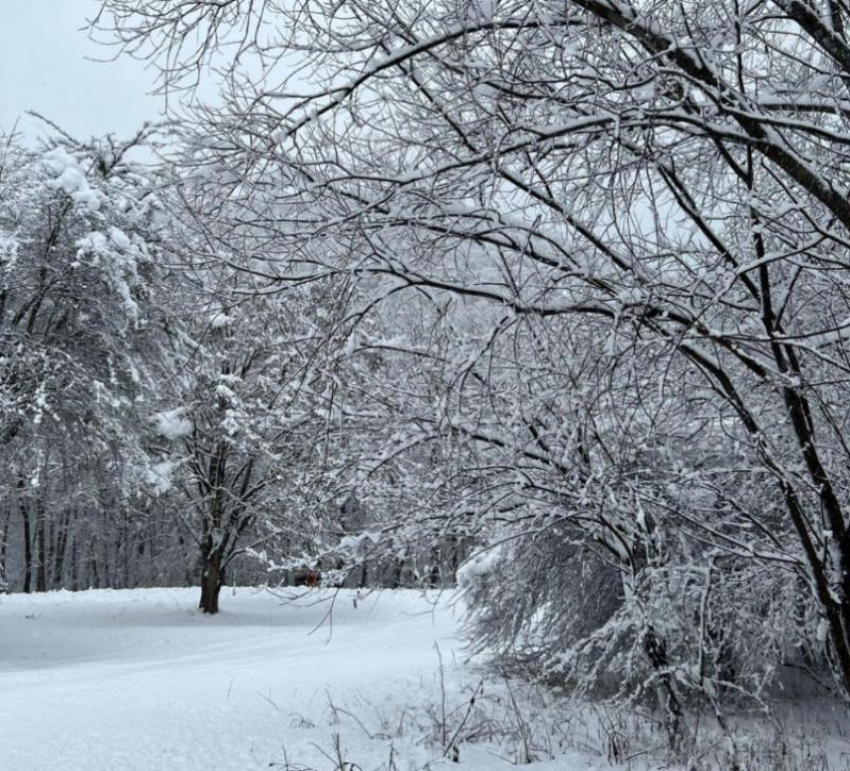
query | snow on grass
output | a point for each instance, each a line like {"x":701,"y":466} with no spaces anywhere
{"x":132,"y":680}
{"x":140,"y":680}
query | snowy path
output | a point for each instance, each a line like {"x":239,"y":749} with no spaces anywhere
{"x":120,"y":681}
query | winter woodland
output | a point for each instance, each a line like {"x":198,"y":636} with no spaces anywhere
{"x":544,"y":300}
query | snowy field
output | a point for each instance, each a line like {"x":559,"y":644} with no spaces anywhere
{"x":132,"y":680}
{"x":140,"y":680}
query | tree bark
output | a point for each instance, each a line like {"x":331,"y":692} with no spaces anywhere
{"x":4,"y":542}
{"x":92,"y":569}
{"x":668,"y":699}
{"x":60,"y":548}
{"x":41,"y":539}
{"x":25,"y":516}
{"x":212,"y":579}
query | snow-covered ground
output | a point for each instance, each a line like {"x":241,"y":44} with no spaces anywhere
{"x":132,"y":680}
{"x":141,"y":681}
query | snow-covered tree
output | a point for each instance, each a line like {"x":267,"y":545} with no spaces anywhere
{"x":638,"y":212}
{"x":79,"y":345}
{"x":243,"y":436}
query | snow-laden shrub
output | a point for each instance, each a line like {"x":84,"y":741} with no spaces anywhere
{"x":710,"y":629}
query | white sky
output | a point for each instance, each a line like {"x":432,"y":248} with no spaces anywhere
{"x":44,"y":67}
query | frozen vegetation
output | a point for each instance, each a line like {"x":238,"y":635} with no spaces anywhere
{"x":544,"y":302}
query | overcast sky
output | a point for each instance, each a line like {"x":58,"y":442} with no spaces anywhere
{"x":44,"y":67}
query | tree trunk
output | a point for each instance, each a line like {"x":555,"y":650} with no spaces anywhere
{"x":92,"y":569}
{"x":59,"y":549}
{"x":4,"y":542}
{"x":668,"y":699}
{"x":212,"y":578}
{"x":25,"y":515}
{"x":41,"y":539}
